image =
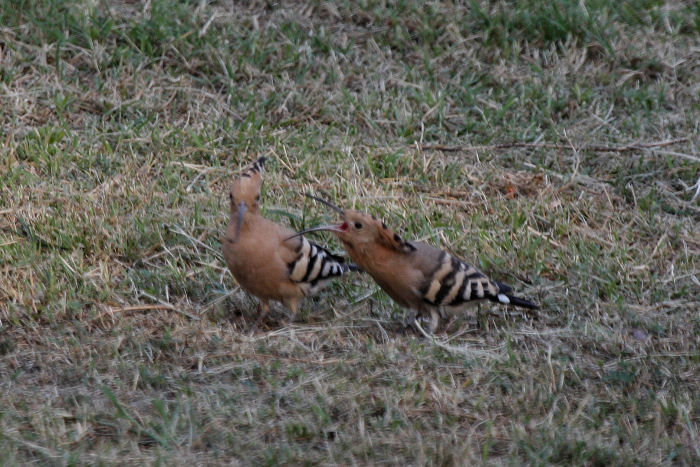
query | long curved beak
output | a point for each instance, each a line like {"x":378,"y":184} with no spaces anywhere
{"x":327,"y":203}
{"x":327,"y":228}
{"x":239,"y":220}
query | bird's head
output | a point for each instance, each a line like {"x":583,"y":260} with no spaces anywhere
{"x":360,"y":231}
{"x":244,"y":194}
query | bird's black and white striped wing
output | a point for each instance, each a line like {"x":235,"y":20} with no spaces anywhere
{"x":314,"y":266}
{"x":454,"y":283}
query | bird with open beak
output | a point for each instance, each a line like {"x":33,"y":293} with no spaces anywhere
{"x":416,"y":275}
{"x":265,"y":258}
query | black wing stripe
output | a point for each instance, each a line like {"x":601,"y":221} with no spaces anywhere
{"x":315,"y":264}
{"x":459,"y":298}
{"x":313,"y":257}
{"x":447,"y":282}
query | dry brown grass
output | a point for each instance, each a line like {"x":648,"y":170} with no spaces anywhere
{"x":122,"y":333}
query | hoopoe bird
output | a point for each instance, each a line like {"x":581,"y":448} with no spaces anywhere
{"x":264,"y":260}
{"x":416,"y":275}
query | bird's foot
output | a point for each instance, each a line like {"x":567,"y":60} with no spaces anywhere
{"x":427,"y":324}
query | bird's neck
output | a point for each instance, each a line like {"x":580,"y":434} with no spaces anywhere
{"x":249,"y":218}
{"x":368,"y":256}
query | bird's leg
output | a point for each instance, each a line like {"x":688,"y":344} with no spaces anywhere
{"x":430,"y":322}
{"x":293,"y":305}
{"x":434,"y":321}
{"x":265,"y":308}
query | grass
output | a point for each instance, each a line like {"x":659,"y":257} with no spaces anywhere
{"x":122,"y":334}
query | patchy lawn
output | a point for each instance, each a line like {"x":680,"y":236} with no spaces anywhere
{"x":554,"y":145}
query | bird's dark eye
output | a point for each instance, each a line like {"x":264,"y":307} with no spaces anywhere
{"x":257,"y":198}
{"x":230,"y":196}
{"x":358,"y":225}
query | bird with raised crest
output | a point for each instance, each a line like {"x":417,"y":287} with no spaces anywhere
{"x":416,"y":275}
{"x":263,"y":258}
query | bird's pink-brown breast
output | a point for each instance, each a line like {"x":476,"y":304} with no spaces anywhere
{"x":393,"y":272}
{"x":255,"y":259}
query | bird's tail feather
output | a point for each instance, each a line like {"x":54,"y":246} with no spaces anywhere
{"x":518,"y":301}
